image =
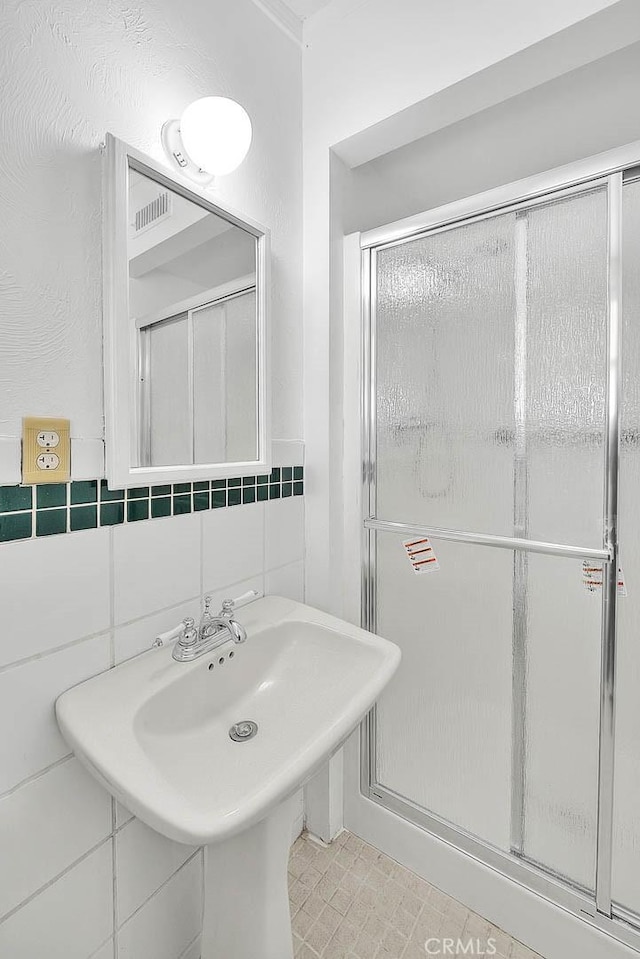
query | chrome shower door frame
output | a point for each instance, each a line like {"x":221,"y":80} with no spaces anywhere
{"x":607,"y":170}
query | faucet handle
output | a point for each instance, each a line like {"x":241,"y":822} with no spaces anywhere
{"x":228,"y":605}
{"x":189,"y":632}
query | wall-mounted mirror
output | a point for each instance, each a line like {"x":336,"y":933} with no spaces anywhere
{"x":186,"y":380}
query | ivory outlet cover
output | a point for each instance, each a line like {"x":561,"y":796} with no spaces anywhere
{"x":46,"y":450}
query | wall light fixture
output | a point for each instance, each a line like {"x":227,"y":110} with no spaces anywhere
{"x":211,"y":138}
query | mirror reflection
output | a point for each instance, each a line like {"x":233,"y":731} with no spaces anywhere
{"x":192,"y":308}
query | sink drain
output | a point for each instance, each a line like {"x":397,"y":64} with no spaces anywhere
{"x":247,"y":729}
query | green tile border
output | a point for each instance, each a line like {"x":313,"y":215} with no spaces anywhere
{"x":83,"y":517}
{"x":51,"y":494}
{"x":15,"y":498}
{"x":50,"y":521}
{"x":15,"y":526}
{"x":160,"y":506}
{"x":54,"y":508}
{"x":111,"y":514}
{"x":84,"y":491}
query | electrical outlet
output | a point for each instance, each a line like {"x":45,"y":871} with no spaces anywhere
{"x":48,"y":439}
{"x":46,"y":450}
{"x":48,"y":461}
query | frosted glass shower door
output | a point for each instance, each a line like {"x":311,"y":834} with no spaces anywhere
{"x":626,"y":833}
{"x":445,"y":338}
{"x":489,"y":372}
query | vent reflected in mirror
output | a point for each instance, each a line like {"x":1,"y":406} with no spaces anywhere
{"x":193,"y":318}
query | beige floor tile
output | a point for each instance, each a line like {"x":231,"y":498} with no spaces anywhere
{"x":358,"y":913}
{"x":302,"y":923}
{"x":318,"y":937}
{"x":306,"y":953}
{"x":314,"y":905}
{"x":365,"y":946}
{"x":349,"y":901}
{"x":346,"y":933}
{"x":330,"y":918}
{"x":403,"y":921}
{"x":341,"y":900}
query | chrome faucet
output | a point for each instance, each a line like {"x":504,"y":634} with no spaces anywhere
{"x":212,"y":631}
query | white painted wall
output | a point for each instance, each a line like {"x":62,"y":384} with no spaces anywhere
{"x":70,"y":70}
{"x":584,"y":112}
{"x":72,"y":605}
{"x":368,"y":60}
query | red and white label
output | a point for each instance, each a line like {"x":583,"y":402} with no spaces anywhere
{"x":421,"y":555}
{"x":592,"y":577}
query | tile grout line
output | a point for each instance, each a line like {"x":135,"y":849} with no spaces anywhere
{"x":101,"y":946}
{"x":188,"y":946}
{"x":54,"y":879}
{"x":112,"y":599}
{"x":272,"y":484}
{"x":114,"y":877}
{"x":202,"y":560}
{"x":35,"y":776}
{"x":381,"y":899}
{"x":160,"y":887}
{"x":111,"y":837}
{"x":102,"y":632}
{"x":51,"y":652}
{"x":108,"y":630}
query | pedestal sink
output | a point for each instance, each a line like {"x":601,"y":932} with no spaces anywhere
{"x":158,"y":735}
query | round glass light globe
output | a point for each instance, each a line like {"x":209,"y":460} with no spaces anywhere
{"x":216,"y":133}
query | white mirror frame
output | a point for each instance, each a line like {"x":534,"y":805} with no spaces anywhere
{"x":120,"y":348}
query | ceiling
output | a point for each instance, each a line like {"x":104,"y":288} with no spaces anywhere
{"x":306,"y":8}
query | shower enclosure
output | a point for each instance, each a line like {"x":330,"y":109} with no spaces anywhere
{"x":502,"y":424}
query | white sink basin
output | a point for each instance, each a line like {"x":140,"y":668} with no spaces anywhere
{"x":156,"y":734}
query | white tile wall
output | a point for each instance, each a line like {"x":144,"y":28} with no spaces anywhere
{"x":137,"y":636}
{"x":156,"y":564}
{"x":104,"y":596}
{"x":123,"y":815}
{"x":192,"y":951}
{"x":27,"y":696}
{"x":69,"y":919}
{"x":78,"y":817}
{"x":169,"y":921}
{"x":107,"y":951}
{"x":286,"y":581}
{"x":87,"y":458}
{"x":233,"y":544}
{"x":234,"y":590}
{"x":144,"y":861}
{"x":287,"y":452}
{"x":55,"y":590}
{"x":284,"y":532}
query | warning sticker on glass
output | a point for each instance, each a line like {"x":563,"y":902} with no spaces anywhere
{"x":421,"y":555}
{"x":592,"y":577}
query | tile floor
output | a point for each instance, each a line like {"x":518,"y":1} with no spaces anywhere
{"x":349,"y":901}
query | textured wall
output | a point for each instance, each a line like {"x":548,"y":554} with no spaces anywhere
{"x":85,"y":880}
{"x":71,"y":70}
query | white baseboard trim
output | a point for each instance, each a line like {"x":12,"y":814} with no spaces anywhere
{"x":298,"y":821}
{"x":544,"y":927}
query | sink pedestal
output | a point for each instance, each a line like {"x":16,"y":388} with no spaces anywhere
{"x":246,"y":899}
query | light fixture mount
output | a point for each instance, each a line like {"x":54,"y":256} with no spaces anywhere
{"x":178,"y":156}
{"x":211,"y":138}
